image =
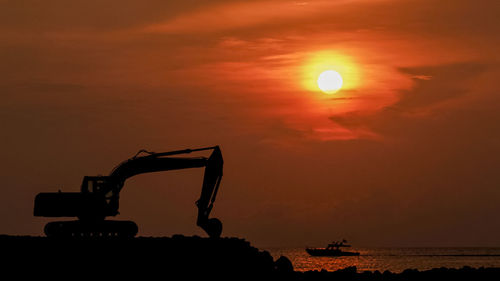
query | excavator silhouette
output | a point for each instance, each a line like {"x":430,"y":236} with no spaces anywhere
{"x":99,"y":196}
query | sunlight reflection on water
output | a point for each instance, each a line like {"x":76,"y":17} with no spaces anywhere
{"x":394,"y":259}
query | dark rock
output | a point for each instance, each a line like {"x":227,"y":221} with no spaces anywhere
{"x":283,"y":265}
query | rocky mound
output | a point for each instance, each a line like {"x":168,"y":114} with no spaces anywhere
{"x":142,"y":258}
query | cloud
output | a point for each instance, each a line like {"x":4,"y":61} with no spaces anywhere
{"x":449,"y":82}
{"x":422,"y":77}
{"x":240,"y":15}
{"x":89,"y":15}
{"x":450,"y":87}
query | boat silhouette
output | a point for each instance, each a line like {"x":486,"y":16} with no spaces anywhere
{"x":333,"y":250}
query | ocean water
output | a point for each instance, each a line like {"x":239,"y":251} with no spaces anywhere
{"x":393,"y":259}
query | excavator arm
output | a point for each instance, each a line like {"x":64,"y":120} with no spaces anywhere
{"x":157,"y":162}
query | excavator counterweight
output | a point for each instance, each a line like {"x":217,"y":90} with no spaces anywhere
{"x":99,"y":196}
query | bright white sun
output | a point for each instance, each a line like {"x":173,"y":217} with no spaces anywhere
{"x":330,"y":81}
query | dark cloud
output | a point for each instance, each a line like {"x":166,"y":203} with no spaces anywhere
{"x":448,"y":82}
{"x":350,"y":120}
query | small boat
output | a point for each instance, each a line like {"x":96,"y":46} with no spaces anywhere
{"x":333,"y":250}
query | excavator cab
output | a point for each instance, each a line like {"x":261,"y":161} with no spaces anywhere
{"x":98,"y":187}
{"x":93,"y":184}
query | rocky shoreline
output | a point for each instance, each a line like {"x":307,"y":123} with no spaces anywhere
{"x":180,"y":258}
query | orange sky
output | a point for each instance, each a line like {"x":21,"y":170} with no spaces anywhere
{"x":405,"y":154}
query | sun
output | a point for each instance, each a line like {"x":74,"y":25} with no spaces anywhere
{"x":330,"y":81}
{"x":330,"y":72}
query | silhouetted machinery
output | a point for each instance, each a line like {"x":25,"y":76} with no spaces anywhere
{"x":99,"y":196}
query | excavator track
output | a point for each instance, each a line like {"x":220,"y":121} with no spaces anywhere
{"x":78,"y":228}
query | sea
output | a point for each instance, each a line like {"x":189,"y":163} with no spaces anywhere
{"x":395,"y":260}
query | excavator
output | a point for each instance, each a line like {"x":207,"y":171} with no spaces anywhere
{"x":99,"y":196}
